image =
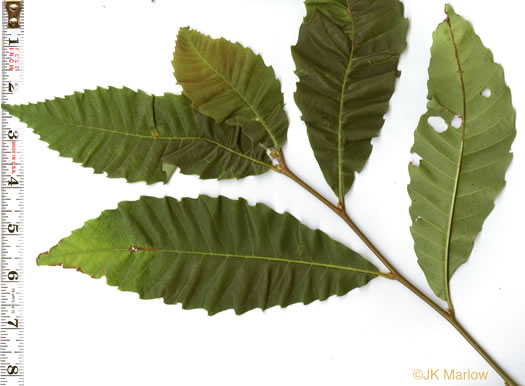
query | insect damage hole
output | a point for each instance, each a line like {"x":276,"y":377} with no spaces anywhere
{"x":273,"y":155}
{"x":415,"y":159}
{"x":486,"y":93}
{"x":456,"y":122}
{"x":438,"y":124}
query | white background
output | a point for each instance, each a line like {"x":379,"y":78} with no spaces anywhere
{"x":81,"y":332}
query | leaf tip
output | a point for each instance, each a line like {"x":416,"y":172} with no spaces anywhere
{"x":44,"y":258}
{"x":11,"y":109}
{"x":449,"y":10}
{"x":40,"y":257}
{"x":184,"y":32}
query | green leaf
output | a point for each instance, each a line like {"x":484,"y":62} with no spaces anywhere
{"x":211,"y":253}
{"x":141,"y":137}
{"x":231,"y":84}
{"x":463,"y":168}
{"x":203,"y":146}
{"x":346,"y":57}
{"x":336,"y":10}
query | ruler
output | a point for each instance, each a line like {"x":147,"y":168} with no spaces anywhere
{"x":12,"y":198}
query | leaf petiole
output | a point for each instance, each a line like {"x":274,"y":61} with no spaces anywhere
{"x":394,"y":274}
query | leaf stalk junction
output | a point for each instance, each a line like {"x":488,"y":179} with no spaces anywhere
{"x":393,"y":274}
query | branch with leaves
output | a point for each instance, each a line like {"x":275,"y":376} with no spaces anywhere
{"x":230,"y":122}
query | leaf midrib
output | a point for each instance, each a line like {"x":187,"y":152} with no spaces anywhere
{"x":229,"y":255}
{"x":458,"y":170}
{"x":259,"y":117}
{"x":155,"y":138}
{"x":341,"y":108}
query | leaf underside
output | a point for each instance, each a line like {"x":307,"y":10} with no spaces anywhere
{"x":211,"y":253}
{"x":346,"y":58}
{"x":142,"y":137}
{"x":336,"y":10}
{"x":463,"y":168}
{"x":231,"y":84}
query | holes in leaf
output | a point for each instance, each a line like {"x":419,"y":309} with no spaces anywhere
{"x":486,"y":93}
{"x":271,"y":154}
{"x":456,"y":122}
{"x":438,"y":124}
{"x":415,"y":159}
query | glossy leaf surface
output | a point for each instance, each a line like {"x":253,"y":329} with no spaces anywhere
{"x":346,"y":57}
{"x":212,"y":253}
{"x":142,"y":137}
{"x":462,"y":168}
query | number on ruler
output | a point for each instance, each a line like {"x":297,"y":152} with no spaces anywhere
{"x":12,"y":228}
{"x":12,"y":370}
{"x":14,"y":324}
{"x":12,"y":87}
{"x":13,"y":41}
{"x":12,"y":134}
{"x":13,"y":275}
{"x":12,"y":181}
